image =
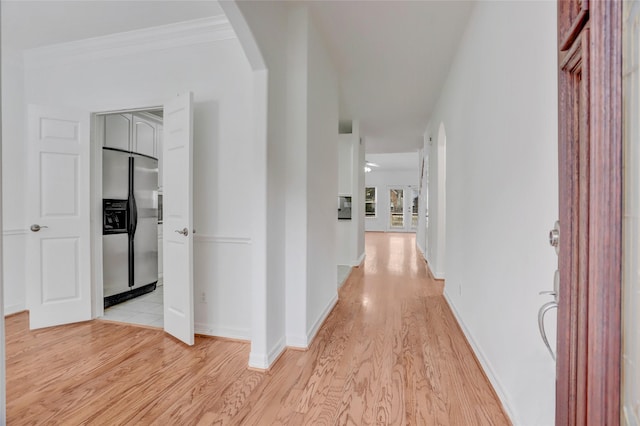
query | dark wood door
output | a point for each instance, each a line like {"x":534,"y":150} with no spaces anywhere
{"x":590,"y":173}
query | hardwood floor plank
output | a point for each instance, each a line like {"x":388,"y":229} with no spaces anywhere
{"x":391,"y":352}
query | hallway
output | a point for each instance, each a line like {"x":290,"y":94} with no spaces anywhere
{"x":389,"y":353}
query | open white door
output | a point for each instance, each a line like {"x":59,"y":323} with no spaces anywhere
{"x":178,"y":218}
{"x":58,"y":244}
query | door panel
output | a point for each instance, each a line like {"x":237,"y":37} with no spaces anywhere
{"x":178,"y":218}
{"x":590,"y":177}
{"x":144,"y":137}
{"x":631,"y":231}
{"x":145,"y":191}
{"x":58,"y":278}
{"x":117,"y":131}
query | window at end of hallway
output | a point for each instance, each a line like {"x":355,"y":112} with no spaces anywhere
{"x":370,"y":201}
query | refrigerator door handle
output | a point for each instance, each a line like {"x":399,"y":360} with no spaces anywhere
{"x":134,"y":214}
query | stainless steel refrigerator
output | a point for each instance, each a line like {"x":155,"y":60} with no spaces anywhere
{"x":130,"y":225}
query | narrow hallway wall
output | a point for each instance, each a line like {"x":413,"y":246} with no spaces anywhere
{"x":499,"y":107}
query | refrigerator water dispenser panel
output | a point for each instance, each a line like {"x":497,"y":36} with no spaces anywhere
{"x":115,"y":218}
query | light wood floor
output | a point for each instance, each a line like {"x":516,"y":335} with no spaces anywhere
{"x":390,"y":353}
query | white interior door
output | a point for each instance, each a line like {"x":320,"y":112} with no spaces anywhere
{"x":177,"y":243}
{"x":58,"y":245}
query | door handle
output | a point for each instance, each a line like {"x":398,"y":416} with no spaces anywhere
{"x":183,"y":231}
{"x":541,"y":313}
{"x":35,"y":227}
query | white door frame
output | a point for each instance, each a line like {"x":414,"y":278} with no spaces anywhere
{"x":96,"y":199}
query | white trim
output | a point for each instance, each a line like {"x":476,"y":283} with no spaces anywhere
{"x":12,"y":232}
{"x":8,"y":310}
{"x":229,"y":332}
{"x":297,"y":341}
{"x":264,"y":361}
{"x":484,"y":362}
{"x":201,"y":238}
{"x":360,"y":260}
{"x":204,"y":30}
{"x":303,"y":342}
{"x":438,"y":275}
{"x":311,"y":334}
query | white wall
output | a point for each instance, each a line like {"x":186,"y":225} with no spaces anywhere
{"x":383,"y":180}
{"x":279,"y":39}
{"x":421,"y":233}
{"x":3,"y":379}
{"x":220,"y":77}
{"x":499,"y":108}
{"x":312,"y":180}
{"x":350,"y":235}
{"x":13,"y":181}
{"x":262,"y":30}
{"x":322,"y":182}
{"x":296,"y":188}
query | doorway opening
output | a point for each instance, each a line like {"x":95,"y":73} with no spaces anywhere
{"x":128,"y":156}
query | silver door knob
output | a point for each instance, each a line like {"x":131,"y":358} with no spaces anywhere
{"x":183,"y":231}
{"x":35,"y":227}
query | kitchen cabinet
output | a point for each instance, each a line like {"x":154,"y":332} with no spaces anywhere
{"x":135,"y":132}
{"x":144,"y":136}
{"x":117,"y":131}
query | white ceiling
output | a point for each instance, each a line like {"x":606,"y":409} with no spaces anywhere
{"x":394,"y":161}
{"x":392,"y":56}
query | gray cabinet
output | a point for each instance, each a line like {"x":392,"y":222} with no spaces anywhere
{"x":135,"y":132}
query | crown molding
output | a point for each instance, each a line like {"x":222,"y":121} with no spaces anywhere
{"x":197,"y":31}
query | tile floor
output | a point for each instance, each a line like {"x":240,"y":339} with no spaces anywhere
{"x":147,"y":310}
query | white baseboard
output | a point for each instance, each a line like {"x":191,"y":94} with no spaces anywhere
{"x":264,"y":361}
{"x":438,"y":275}
{"x":8,"y":310}
{"x":303,"y":342}
{"x":484,"y":362}
{"x":298,"y":342}
{"x":360,"y":260}
{"x":258,"y":361}
{"x":311,"y":334}
{"x":217,"y":331}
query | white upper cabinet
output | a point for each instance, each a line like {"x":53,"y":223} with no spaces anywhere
{"x":144,"y":136}
{"x":117,"y":131}
{"x":137,"y":132}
